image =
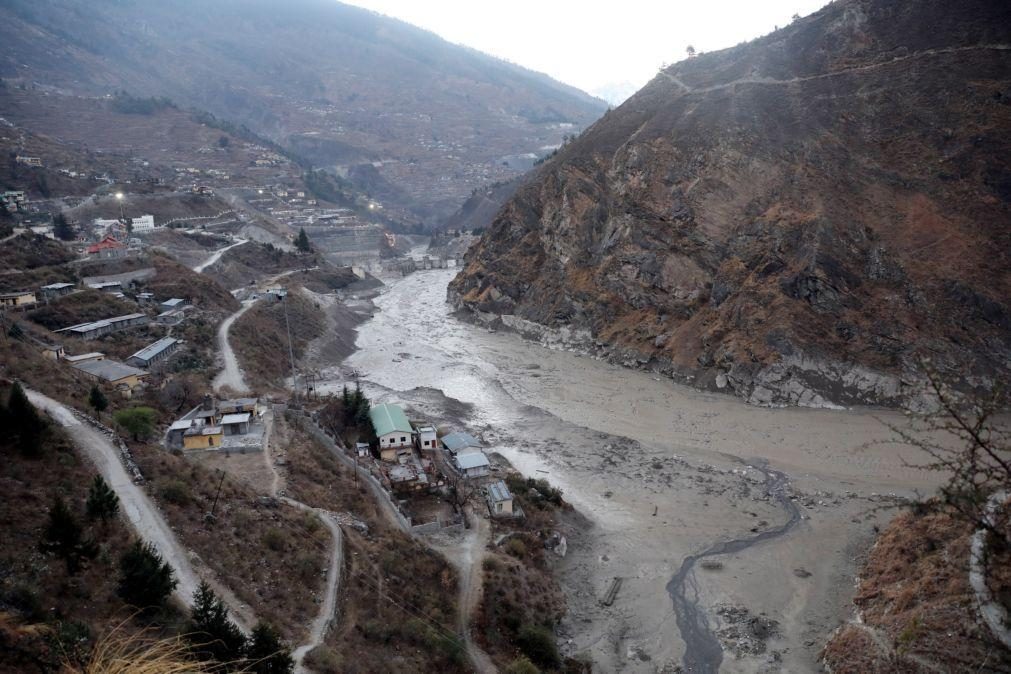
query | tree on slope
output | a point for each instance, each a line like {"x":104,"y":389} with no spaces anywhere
{"x":214,"y":636}
{"x":302,"y":241}
{"x":267,"y":653}
{"x":64,"y":537}
{"x":145,"y":579}
{"x":103,"y":504}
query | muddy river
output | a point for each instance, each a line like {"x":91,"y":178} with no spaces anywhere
{"x":784,"y":500}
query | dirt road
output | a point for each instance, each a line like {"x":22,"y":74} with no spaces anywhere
{"x":142,"y":514}
{"x":231,"y":376}
{"x":467,"y":555}
{"x":326,"y":617}
{"x":216,"y":255}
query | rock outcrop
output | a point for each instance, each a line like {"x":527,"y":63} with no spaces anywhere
{"x":800,"y":219}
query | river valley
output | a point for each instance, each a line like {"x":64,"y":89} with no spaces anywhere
{"x":717,"y":516}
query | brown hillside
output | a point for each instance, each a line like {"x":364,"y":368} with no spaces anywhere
{"x":798,"y":218}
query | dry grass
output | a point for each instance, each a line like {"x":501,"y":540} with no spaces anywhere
{"x":398,"y":608}
{"x":918,"y":610}
{"x":267,"y":553}
{"x":260,"y":337}
{"x":123,"y":651}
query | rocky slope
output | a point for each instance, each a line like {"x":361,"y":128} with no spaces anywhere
{"x":343,"y":86}
{"x":798,"y":219}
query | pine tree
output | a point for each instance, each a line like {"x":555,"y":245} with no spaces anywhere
{"x":302,"y":242}
{"x":97,"y":400}
{"x":103,"y":504}
{"x":214,"y":636}
{"x":62,"y":228}
{"x":26,"y":424}
{"x":267,"y":653}
{"x":64,"y":537}
{"x":145,"y":580}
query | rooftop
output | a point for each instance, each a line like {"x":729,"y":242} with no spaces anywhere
{"x":57,"y":286}
{"x":389,"y":418}
{"x":152,"y":350}
{"x":181,"y":425}
{"x":499,"y":491}
{"x":109,"y":370}
{"x":17,"y":294}
{"x":235,"y":419}
{"x":458,"y":441}
{"x":471,"y":460}
{"x":84,"y":356}
{"x":173,"y":303}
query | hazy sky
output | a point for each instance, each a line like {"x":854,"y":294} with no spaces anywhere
{"x":592,"y":44}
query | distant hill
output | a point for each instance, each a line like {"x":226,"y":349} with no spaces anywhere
{"x":343,"y":85}
{"x":799,"y":219}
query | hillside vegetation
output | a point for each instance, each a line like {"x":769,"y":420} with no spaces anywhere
{"x":797,"y":219}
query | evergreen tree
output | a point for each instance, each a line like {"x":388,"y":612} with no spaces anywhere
{"x":267,"y":653}
{"x":145,"y":580}
{"x":302,"y":242}
{"x":103,"y":504}
{"x":26,"y":424}
{"x":62,"y":229}
{"x":214,"y":636}
{"x":64,"y":537}
{"x":97,"y":400}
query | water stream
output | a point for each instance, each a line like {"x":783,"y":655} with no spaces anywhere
{"x":703,"y":652}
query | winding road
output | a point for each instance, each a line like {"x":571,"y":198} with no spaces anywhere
{"x":142,"y":514}
{"x":703,"y":652}
{"x":216,"y":255}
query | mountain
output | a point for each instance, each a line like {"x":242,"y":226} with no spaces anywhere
{"x":424,"y":120}
{"x":799,"y":219}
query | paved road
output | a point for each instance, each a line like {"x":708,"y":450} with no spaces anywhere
{"x":143,"y":515}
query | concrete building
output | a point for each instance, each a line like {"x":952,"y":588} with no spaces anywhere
{"x":472,"y":463}
{"x":56,"y":290}
{"x":237,"y":406}
{"x":500,"y":501}
{"x":97,"y":329}
{"x":172,"y":304}
{"x":174,"y":317}
{"x":235,"y":424}
{"x":174,"y":437}
{"x":113,"y":373}
{"x":396,"y":436}
{"x":29,"y":161}
{"x":202,"y":437}
{"x":13,"y":201}
{"x":427,"y":438}
{"x":142,"y":223}
{"x":154,"y":354}
{"x":108,"y":248}
{"x":19,"y":300}
{"x":52,"y":351}
{"x":84,"y":357}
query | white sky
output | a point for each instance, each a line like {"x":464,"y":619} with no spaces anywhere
{"x":592,"y":44}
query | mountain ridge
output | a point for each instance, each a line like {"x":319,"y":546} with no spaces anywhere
{"x":371,"y":89}
{"x":757,"y":219}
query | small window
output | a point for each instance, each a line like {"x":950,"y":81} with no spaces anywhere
{"x":403,"y":439}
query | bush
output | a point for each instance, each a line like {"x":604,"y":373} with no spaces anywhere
{"x":176,"y":491}
{"x":137,"y":421}
{"x":538,"y":644}
{"x":275,"y":539}
{"x":323,"y":660}
{"x":516,"y":547}
{"x":522,"y":665}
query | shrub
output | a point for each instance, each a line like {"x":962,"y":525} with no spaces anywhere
{"x":538,"y":644}
{"x":275,"y":539}
{"x":137,"y":421}
{"x":175,"y":491}
{"x":516,"y":547}
{"x":522,"y":665}
{"x":323,"y":660}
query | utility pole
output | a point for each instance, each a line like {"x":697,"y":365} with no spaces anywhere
{"x":217,"y":493}
{"x":291,"y":351}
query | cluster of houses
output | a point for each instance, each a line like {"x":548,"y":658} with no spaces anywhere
{"x":234,"y":424}
{"x":410,"y":452}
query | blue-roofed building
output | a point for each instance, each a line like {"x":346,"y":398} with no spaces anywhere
{"x":457,"y":442}
{"x":472,"y":463}
{"x":500,"y":500}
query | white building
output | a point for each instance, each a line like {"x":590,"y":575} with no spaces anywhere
{"x":427,"y":438}
{"x":143,"y":223}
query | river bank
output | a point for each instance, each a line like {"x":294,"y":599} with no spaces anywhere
{"x":654,"y":467}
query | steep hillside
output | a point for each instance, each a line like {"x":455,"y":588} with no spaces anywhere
{"x":343,"y":85}
{"x":797,"y":219}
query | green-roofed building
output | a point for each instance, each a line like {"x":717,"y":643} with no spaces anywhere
{"x":393,"y":430}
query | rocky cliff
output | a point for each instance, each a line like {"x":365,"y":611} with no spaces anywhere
{"x":799,"y":219}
